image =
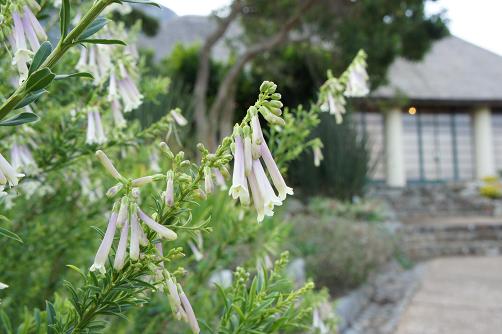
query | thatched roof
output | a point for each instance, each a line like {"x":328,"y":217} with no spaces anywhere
{"x":453,"y":70}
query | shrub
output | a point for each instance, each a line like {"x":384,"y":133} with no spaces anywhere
{"x":344,"y":171}
{"x":340,"y":254}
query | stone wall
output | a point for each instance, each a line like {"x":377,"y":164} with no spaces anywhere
{"x":436,"y":200}
{"x":422,"y":242}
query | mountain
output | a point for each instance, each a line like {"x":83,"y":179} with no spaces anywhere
{"x":187,"y":30}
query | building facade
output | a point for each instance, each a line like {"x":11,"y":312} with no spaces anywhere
{"x":439,"y":119}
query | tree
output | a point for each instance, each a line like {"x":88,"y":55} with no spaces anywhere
{"x":388,"y":28}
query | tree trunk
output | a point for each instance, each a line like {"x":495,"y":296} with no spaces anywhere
{"x":226,"y":90}
{"x":205,"y":133}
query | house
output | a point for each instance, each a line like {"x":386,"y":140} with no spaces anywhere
{"x":439,"y":119}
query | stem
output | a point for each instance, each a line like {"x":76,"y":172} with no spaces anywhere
{"x":62,"y":47}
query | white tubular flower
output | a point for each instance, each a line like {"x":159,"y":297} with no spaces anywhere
{"x":112,"y":87}
{"x":239,"y":188}
{"x":127,"y":90}
{"x":35,"y":25}
{"x":220,"y":180}
{"x":21,"y":59}
{"x":248,"y":155}
{"x":22,"y":55}
{"x":318,"y":156}
{"x":191,"y":319}
{"x":143,"y":239}
{"x":196,"y":251}
{"x":18,"y":33}
{"x":107,"y":163}
{"x":222,"y":278}
{"x":337,"y":107}
{"x":174,"y":299}
{"x":8,"y":173}
{"x":267,"y":192}
{"x":95,"y":59}
{"x":100,"y":133}
{"x":29,"y":32}
{"x":21,"y":157}
{"x":118,"y":117}
{"x":91,"y":128}
{"x":169,"y":194}
{"x":135,"y":235}
{"x":257,"y":197}
{"x":120,"y":254}
{"x":106,"y":243}
{"x":274,"y":172}
{"x":257,"y":136}
{"x":208,"y":181}
{"x":357,"y":84}
{"x":178,"y":118}
{"x":103,"y":63}
{"x":122,"y":215}
{"x":3,"y":286}
{"x":161,"y":230}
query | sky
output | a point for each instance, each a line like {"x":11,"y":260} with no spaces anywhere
{"x":477,"y":21}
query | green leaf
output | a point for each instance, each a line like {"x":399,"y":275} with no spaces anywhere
{"x":65,"y":17}
{"x":150,"y":3}
{"x":9,"y":234}
{"x":34,"y":96}
{"x":51,"y":317}
{"x":7,"y":326}
{"x":43,"y":52}
{"x":72,"y":267}
{"x":74,"y":75}
{"x":93,"y":28}
{"x":102,"y":41}
{"x":24,"y":117}
{"x":39,"y":79}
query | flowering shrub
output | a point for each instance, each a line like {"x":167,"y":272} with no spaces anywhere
{"x":150,"y":191}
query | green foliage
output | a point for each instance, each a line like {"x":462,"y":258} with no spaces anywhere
{"x":264,"y":305}
{"x":346,"y":166}
{"x":388,"y":28}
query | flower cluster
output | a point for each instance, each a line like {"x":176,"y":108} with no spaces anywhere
{"x":112,"y":65}
{"x":182,"y":309}
{"x":352,"y":83}
{"x":249,"y":179}
{"x":27,"y":33}
{"x":127,"y":215}
{"x":96,"y":60}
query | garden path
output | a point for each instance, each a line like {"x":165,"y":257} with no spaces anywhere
{"x":461,"y":295}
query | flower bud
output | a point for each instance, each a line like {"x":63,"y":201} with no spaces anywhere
{"x":165,"y":148}
{"x":114,"y":190}
{"x":142,"y":181}
{"x":169,"y":194}
{"x":107,"y":163}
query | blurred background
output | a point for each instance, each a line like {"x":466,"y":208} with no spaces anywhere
{"x":399,"y":227}
{"x":402,"y":219}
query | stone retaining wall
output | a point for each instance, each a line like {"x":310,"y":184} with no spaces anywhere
{"x":422,"y":242}
{"x":436,"y":200}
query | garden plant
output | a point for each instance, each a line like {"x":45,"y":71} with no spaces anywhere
{"x":103,"y":220}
